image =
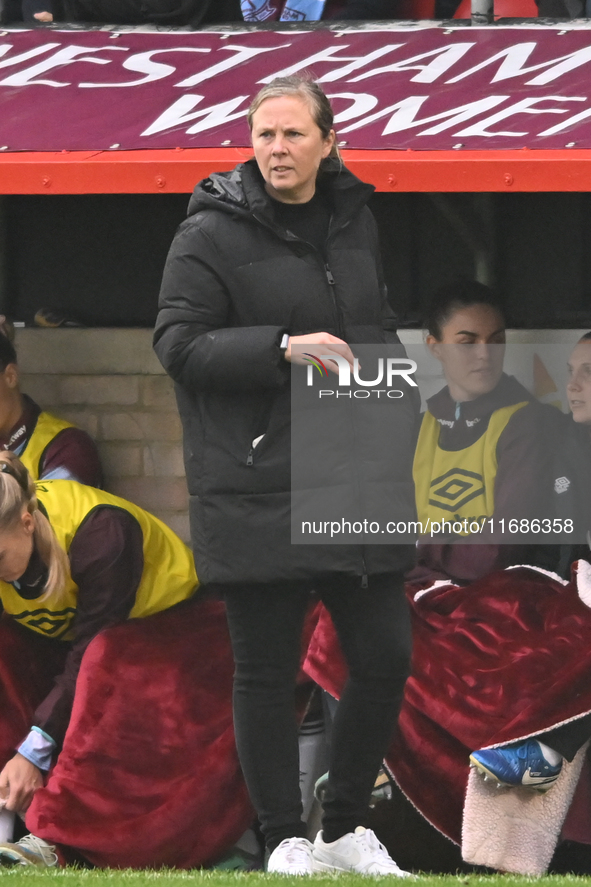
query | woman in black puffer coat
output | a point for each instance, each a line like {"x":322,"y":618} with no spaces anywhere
{"x":283,"y":251}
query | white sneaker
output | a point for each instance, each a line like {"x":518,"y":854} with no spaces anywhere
{"x":30,"y":850}
{"x":358,"y":851}
{"x":294,"y":856}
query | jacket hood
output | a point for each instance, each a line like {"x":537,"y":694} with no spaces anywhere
{"x":508,"y":392}
{"x":222,"y":190}
{"x":242,"y":191}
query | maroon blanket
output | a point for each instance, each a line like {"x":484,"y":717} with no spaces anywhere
{"x":503,"y":658}
{"x":148,"y":775}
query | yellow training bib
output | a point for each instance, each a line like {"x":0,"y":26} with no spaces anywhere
{"x":457,"y":485}
{"x":46,"y":429}
{"x":168,"y":576}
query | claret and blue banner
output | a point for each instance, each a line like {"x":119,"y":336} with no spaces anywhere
{"x":397,"y":88}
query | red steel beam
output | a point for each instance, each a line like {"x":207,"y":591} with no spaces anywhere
{"x":177,"y":170}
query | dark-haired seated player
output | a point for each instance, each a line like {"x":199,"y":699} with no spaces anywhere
{"x":483,"y":449}
{"x":486,"y":632}
{"x":74,"y":561}
{"x":48,"y":447}
{"x":501,"y":679}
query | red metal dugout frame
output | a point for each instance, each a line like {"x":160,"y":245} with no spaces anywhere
{"x":177,"y":171}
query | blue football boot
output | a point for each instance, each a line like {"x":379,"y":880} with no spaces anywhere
{"x":520,"y":764}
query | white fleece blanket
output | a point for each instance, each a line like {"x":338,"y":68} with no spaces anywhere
{"x":516,"y":829}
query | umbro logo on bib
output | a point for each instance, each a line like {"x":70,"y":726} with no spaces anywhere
{"x":561,"y":484}
{"x":455,"y":488}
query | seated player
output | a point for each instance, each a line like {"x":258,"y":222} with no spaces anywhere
{"x":501,"y":679}
{"x":48,"y":447}
{"x":73,"y":561}
{"x":498,"y":648}
{"x":538,"y":762}
{"x":483,"y":449}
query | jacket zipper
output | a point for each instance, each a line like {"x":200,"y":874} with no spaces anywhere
{"x":339,"y":323}
{"x":328,"y":273}
{"x":338,"y":313}
{"x":330,"y":277}
{"x":337,"y":310}
{"x":255,"y":443}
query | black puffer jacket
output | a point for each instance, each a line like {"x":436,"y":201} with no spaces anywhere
{"x":234,"y":283}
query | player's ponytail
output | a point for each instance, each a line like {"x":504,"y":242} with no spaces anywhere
{"x":17,"y":491}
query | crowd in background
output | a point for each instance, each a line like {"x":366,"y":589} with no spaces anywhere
{"x":198,"y":13}
{"x":191,"y":12}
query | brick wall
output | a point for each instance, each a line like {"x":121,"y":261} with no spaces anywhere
{"x":109,"y":382}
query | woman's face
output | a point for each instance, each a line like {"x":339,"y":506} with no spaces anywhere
{"x":471,"y":351}
{"x":16,"y":548}
{"x":289,"y":147}
{"x":578,"y":389}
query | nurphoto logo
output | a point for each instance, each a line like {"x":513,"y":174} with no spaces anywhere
{"x":388,"y":370}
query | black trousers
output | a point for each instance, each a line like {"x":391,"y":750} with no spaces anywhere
{"x":265,"y":623}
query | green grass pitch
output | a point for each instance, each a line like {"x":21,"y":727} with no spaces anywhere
{"x":71,"y":877}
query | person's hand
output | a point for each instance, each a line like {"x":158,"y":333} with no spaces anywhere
{"x":318,"y":344}
{"x":19,"y":780}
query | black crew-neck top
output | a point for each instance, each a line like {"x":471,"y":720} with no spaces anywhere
{"x":308,"y":221}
